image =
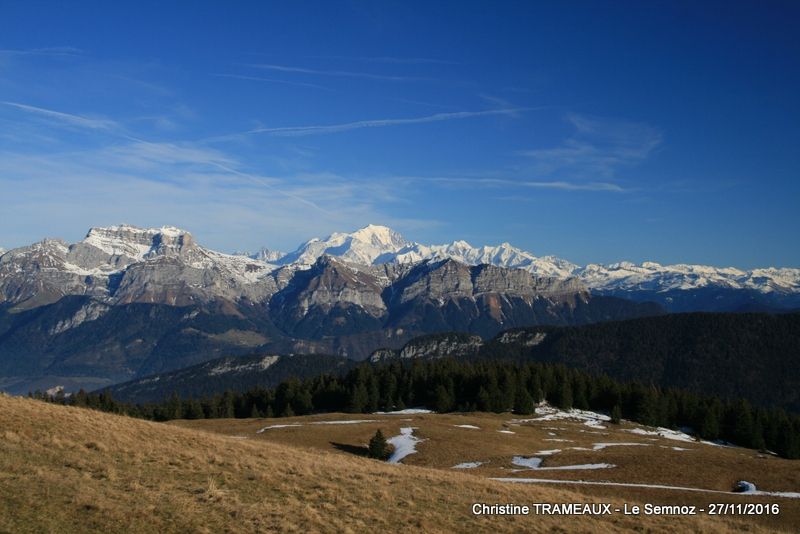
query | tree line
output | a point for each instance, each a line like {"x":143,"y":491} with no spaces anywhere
{"x":448,"y":385}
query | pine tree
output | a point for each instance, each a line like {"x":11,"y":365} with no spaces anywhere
{"x":359,"y":397}
{"x":616,"y":414}
{"x":378,"y":447}
{"x":442,"y":402}
{"x":523,"y":403}
{"x":711,"y":421}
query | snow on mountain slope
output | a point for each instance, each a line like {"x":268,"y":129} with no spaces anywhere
{"x":377,"y":245}
{"x":135,"y":243}
{"x":127,"y":244}
{"x":363,"y":246}
{"x":653,"y":276}
{"x":129,"y":264}
{"x":267,"y":255}
{"x":168,"y":258}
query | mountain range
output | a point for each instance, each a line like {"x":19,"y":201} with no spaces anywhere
{"x":125,"y":302}
{"x":744,"y":355}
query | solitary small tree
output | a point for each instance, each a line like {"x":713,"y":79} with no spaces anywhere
{"x":616,"y":414}
{"x":378,"y":447}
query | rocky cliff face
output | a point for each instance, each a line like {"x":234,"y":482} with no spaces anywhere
{"x":432,"y":347}
{"x":124,"y":264}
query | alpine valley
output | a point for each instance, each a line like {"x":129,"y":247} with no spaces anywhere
{"x":127,"y":302}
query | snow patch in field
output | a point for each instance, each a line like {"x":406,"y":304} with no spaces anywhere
{"x":549,"y":452}
{"x":473,"y":427}
{"x":277,"y":426}
{"x":404,"y":444}
{"x":559,"y":440}
{"x":535,"y":464}
{"x":467,"y":465}
{"x":601,"y":446}
{"x":549,"y":413}
{"x":522,"y":461}
{"x":661,"y":432}
{"x":785,"y":494}
{"x":576,"y":467}
{"x":506,"y":431}
{"x":748,"y":488}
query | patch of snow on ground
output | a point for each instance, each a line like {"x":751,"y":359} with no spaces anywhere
{"x":407,"y":411}
{"x":549,"y":413}
{"x":531,"y":463}
{"x":579,"y":466}
{"x":535,"y":464}
{"x":467,"y":465}
{"x":661,"y":432}
{"x":785,"y":494}
{"x":548,"y":452}
{"x":473,"y":427}
{"x":601,"y":446}
{"x":404,"y":444}
{"x":277,"y":426}
{"x":506,"y":432}
{"x":559,"y":439}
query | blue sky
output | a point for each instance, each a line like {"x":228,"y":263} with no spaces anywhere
{"x":594,"y":131}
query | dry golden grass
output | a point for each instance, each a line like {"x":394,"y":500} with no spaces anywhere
{"x":446,"y":444}
{"x":74,"y":470}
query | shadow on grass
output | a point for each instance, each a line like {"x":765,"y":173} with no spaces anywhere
{"x":358,"y":450}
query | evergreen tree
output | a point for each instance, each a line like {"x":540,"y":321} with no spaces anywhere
{"x":616,"y":414}
{"x":711,"y":421}
{"x":358,"y":399}
{"x":443,"y":401}
{"x":378,"y":446}
{"x":523,"y":404}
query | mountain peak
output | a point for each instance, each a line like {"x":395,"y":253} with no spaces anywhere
{"x":135,"y":242}
{"x":379,"y":236}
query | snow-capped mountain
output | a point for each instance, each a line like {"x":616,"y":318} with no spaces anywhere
{"x":152,"y":300}
{"x":264,"y":254}
{"x":653,"y":276}
{"x":376,"y":245}
{"x":365,"y":246}
{"x":129,"y":264}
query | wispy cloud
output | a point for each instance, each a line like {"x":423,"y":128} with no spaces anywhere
{"x":166,"y":157}
{"x":45,"y":51}
{"x":528,"y":184}
{"x":65,"y":118}
{"x":155,"y":184}
{"x":292,"y":131}
{"x":391,"y":59}
{"x":273,"y":80}
{"x":598,"y":147}
{"x":338,"y":73}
